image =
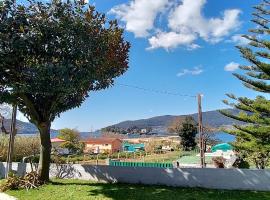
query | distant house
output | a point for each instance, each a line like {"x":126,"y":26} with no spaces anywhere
{"x":102,"y":145}
{"x":56,"y":146}
{"x":128,"y":147}
{"x":144,"y":131}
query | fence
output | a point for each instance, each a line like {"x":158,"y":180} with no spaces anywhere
{"x":139,"y":164}
{"x":232,"y":179}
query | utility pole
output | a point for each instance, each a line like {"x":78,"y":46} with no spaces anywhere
{"x":11,"y":140}
{"x":200,"y":129}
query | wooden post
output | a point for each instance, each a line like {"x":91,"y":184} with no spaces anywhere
{"x":200,"y":129}
{"x":11,"y":140}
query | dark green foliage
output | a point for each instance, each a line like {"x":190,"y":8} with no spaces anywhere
{"x":51,"y":56}
{"x":241,"y":163}
{"x":253,"y":138}
{"x":187,"y":129}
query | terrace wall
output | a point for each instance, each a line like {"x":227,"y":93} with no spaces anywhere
{"x":232,"y":179}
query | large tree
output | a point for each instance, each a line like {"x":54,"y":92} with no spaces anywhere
{"x":187,"y":129}
{"x":51,"y":56}
{"x":253,"y":138}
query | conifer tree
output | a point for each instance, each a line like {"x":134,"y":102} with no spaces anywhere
{"x":253,"y":138}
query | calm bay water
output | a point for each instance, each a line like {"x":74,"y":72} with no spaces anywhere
{"x":224,"y":137}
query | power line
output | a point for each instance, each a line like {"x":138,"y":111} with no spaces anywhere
{"x":157,"y":91}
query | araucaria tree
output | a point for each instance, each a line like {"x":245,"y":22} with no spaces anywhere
{"x":253,"y":138}
{"x":51,"y":56}
{"x":187,"y":129}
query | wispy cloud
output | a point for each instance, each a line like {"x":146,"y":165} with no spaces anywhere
{"x":194,"y":71}
{"x":232,"y":66}
{"x":239,"y":40}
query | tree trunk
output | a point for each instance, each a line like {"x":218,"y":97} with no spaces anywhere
{"x":45,"y":151}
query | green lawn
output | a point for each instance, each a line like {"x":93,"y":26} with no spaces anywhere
{"x":194,"y":160}
{"x":85,"y":190}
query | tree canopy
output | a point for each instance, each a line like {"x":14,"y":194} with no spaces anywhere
{"x":52,"y":55}
{"x":72,"y":140}
{"x":253,"y":138}
{"x":187,"y":129}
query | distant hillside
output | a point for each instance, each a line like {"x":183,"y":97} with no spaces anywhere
{"x":22,"y":127}
{"x":211,"y":118}
{"x":28,"y":128}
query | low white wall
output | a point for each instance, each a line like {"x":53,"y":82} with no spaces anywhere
{"x":232,"y":179}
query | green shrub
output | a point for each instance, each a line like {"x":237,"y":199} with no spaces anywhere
{"x":241,"y":163}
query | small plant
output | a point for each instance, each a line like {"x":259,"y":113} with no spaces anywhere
{"x":241,"y":163}
{"x":219,"y":162}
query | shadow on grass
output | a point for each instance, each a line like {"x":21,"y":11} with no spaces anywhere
{"x":141,"y":192}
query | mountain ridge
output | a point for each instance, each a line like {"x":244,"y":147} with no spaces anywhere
{"x":212,"y":118}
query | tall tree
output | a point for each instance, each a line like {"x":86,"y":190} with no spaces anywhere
{"x":253,"y":138}
{"x":187,"y":129}
{"x":51,"y":56}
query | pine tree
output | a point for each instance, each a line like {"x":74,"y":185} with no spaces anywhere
{"x":253,"y":138}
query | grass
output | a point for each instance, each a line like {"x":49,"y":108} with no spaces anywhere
{"x":165,"y":157}
{"x":194,"y":160}
{"x":85,"y":190}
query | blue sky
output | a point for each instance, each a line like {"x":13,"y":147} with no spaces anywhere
{"x":181,"y":46}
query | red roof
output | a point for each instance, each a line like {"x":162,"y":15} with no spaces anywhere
{"x":101,"y":140}
{"x":57,"y":140}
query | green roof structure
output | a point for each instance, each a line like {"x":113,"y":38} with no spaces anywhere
{"x":223,"y":147}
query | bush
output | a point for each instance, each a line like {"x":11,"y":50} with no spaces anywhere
{"x":219,"y":162}
{"x":241,"y":163}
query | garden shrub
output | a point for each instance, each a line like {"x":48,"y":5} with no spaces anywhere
{"x":219,"y":162}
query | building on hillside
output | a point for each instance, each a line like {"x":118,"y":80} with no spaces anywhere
{"x":56,"y":146}
{"x":128,"y":147}
{"x":103,"y":145}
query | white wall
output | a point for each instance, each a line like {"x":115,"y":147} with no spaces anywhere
{"x":234,"y":179}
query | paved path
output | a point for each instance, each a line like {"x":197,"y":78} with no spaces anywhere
{"x":4,"y":196}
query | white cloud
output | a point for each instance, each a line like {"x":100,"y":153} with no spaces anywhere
{"x":232,"y":66}
{"x":239,"y":40}
{"x":194,"y":71}
{"x":188,"y":17}
{"x":171,"y":40}
{"x":193,"y":47}
{"x":21,"y":117}
{"x":6,"y":111}
{"x":186,"y":22}
{"x":139,"y":15}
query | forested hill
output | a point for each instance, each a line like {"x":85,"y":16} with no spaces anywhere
{"x":211,"y":118}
